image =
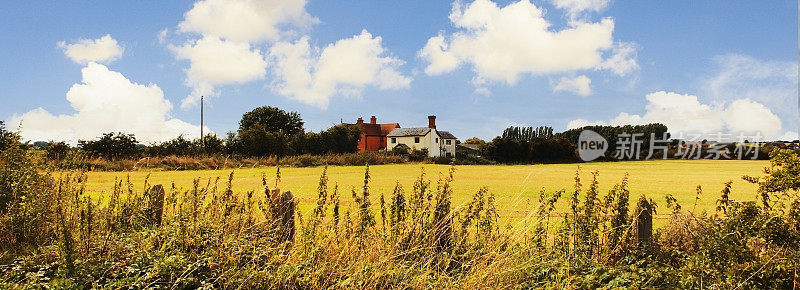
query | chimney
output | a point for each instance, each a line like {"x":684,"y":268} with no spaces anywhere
{"x":360,"y":120}
{"x":373,"y":120}
{"x":432,"y":122}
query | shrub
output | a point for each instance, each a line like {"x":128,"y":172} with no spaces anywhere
{"x":26,"y":202}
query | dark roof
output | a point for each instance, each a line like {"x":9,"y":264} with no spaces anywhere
{"x":446,"y":135}
{"x":469,"y":146}
{"x":400,"y":132}
{"x":376,"y":129}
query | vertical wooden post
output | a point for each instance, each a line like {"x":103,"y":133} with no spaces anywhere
{"x":287,"y":217}
{"x":283,"y":210}
{"x":156,"y":204}
{"x":644,"y":222}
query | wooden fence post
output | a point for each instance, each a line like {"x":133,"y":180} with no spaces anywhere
{"x":156,"y":210}
{"x":644,"y":222}
{"x":283,"y":210}
{"x":286,"y":214}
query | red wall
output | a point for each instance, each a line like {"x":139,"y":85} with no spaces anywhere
{"x":371,"y":143}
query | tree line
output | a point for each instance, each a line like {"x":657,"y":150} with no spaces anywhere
{"x":543,"y":145}
{"x":269,"y":131}
{"x":263,"y":132}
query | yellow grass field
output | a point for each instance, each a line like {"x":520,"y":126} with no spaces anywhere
{"x":515,"y":187}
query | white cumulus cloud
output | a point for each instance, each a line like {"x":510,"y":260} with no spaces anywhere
{"x":246,"y":20}
{"x":345,"y":67}
{"x":580,"y":85}
{"x":502,"y":43}
{"x":214,"y":61}
{"x":684,"y":113}
{"x":103,"y":50}
{"x":106,"y":101}
{"x":229,"y":30}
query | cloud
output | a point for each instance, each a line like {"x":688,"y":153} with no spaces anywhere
{"x":229,"y":29}
{"x":246,"y":20}
{"x":748,"y":116}
{"x":683,"y":113}
{"x":440,"y":61}
{"x":345,"y":68}
{"x":772,"y":83}
{"x":218,"y":62}
{"x":622,"y":60}
{"x":581,"y":5}
{"x":580,"y":123}
{"x":789,"y":136}
{"x":579,"y":85}
{"x":106,"y":101}
{"x":740,"y":95}
{"x":501,"y":44}
{"x":162,"y":35}
{"x":103,"y":50}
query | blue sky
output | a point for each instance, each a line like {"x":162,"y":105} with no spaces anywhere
{"x":705,"y":66}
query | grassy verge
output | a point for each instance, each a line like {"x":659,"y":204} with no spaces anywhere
{"x":219,"y":162}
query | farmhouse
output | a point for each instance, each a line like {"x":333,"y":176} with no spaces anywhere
{"x":437,"y":143}
{"x":373,"y":135}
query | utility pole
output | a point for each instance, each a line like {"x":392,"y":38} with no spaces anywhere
{"x":202,"y":143}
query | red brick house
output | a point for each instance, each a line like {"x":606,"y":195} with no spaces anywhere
{"x":373,"y":135}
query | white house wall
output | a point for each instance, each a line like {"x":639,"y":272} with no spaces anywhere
{"x":429,"y":141}
{"x":432,"y":138}
{"x":448,"y":148}
{"x":425,"y":142}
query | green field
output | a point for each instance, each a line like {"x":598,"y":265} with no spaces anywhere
{"x":515,"y":187}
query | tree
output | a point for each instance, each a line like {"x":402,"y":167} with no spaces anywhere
{"x":211,"y":144}
{"x":178,"y":146}
{"x":272,"y":120}
{"x":611,"y":134}
{"x":56,"y":150}
{"x":266,"y":131}
{"x":337,"y":139}
{"x":231,"y":144}
{"x":528,"y":144}
{"x":342,"y":138}
{"x":111,"y":146}
{"x":256,"y":141}
{"x":7,"y":138}
{"x":476,"y":141}
{"x":783,"y":174}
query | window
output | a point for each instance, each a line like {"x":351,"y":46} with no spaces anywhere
{"x":437,"y":140}
{"x":447,"y":142}
{"x":416,"y":139}
{"x":394,"y":140}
